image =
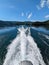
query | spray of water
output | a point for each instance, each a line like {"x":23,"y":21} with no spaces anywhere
{"x":22,"y":48}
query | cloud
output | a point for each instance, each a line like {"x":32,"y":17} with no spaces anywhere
{"x":42,"y":4}
{"x":48,"y":3}
{"x":11,"y":6}
{"x":7,"y":6}
{"x":26,"y":15}
{"x":22,"y":14}
{"x":29,"y":15}
{"x":47,"y":16}
{"x":38,"y":7}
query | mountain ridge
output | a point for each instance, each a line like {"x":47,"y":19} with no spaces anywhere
{"x":14,"y":23}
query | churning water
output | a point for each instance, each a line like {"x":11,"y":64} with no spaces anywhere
{"x":23,"y":48}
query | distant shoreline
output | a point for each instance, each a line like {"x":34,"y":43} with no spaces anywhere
{"x":28,"y":23}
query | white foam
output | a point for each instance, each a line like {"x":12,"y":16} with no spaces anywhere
{"x":23,"y":47}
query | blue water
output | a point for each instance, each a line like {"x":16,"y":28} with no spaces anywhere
{"x":41,"y":29}
{"x":40,"y":35}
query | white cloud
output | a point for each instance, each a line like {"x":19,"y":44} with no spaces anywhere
{"x":11,"y":6}
{"x":38,"y":7}
{"x":42,"y":4}
{"x":22,"y":14}
{"x":6,"y":6}
{"x":47,"y":16}
{"x":48,"y":3}
{"x":29,"y":15}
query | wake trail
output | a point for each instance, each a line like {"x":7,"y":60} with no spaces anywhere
{"x":23,"y":48}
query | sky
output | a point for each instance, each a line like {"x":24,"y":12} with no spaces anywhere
{"x":24,"y":10}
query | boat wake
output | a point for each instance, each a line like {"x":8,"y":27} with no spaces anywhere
{"x":23,"y":48}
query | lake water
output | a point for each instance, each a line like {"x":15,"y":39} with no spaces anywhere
{"x":40,"y":35}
